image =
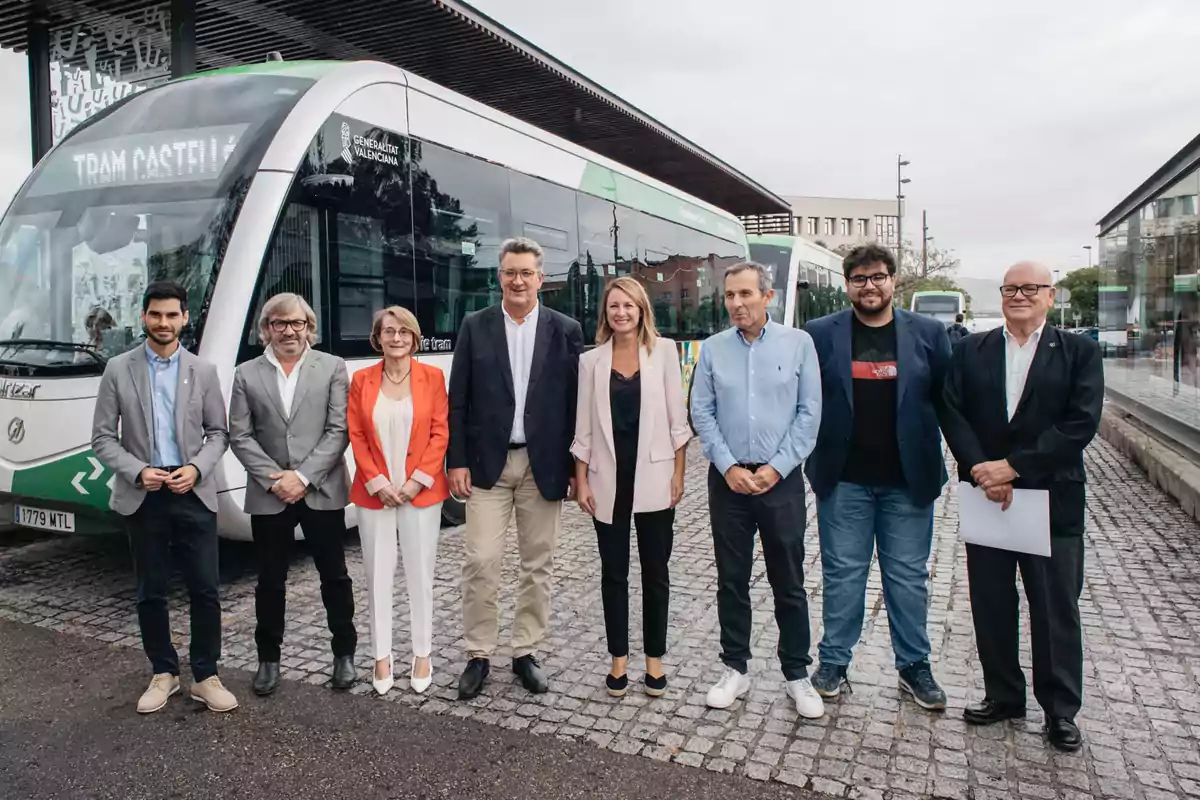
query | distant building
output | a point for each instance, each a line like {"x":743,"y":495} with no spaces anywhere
{"x":837,"y":221}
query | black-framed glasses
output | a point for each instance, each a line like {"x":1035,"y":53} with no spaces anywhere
{"x":859,"y":281}
{"x":281,"y":325}
{"x":1030,"y":290}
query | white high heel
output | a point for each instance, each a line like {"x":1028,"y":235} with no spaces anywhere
{"x":384,"y":685}
{"x":419,"y":685}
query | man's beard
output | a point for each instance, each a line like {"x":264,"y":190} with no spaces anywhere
{"x":872,"y":312}
{"x":151,"y":335}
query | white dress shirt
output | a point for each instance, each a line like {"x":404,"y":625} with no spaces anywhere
{"x":1018,"y":358}
{"x":287,"y":385}
{"x":521,"y":337}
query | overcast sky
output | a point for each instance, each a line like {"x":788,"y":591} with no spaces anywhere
{"x":1025,"y":120}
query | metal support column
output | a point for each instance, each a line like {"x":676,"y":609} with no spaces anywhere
{"x":41,"y":114}
{"x":183,"y":38}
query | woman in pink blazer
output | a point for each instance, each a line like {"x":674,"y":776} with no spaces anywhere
{"x":631,"y":434}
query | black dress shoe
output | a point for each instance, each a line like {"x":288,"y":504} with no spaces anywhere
{"x":343,"y":673}
{"x":989,"y":712}
{"x":266,"y":680}
{"x":1064,"y":734}
{"x":531,"y":674}
{"x":473,"y":677}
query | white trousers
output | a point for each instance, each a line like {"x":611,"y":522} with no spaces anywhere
{"x":417,"y":530}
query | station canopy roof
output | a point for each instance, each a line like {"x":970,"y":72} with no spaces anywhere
{"x":451,"y":44}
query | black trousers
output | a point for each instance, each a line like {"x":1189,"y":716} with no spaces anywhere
{"x":655,"y":535}
{"x":1052,"y":586}
{"x":274,"y":536}
{"x":779,"y":517}
{"x":166,"y":525}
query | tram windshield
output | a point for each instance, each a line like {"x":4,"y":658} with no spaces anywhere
{"x":147,"y":190}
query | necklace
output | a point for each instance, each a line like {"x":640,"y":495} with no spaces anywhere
{"x":402,"y":379}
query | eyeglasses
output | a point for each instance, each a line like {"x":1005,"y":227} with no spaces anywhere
{"x":1030,"y":290}
{"x":859,"y":281}
{"x":394,"y":333}
{"x":281,"y":325}
{"x":523,"y":274}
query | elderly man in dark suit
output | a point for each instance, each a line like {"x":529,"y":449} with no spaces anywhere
{"x":1022,"y":403}
{"x":287,"y":425}
{"x":513,"y":387}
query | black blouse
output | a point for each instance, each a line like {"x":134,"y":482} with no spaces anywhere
{"x":625,"y":395}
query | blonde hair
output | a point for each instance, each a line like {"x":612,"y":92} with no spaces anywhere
{"x":647,"y":331}
{"x":404,"y":318}
{"x":282,"y":302}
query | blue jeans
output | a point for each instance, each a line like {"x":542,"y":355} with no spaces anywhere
{"x":853,"y":520}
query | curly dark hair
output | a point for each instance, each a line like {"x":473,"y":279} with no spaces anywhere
{"x":867,"y":254}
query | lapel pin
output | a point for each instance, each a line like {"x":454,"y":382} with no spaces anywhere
{"x":1054,"y":344}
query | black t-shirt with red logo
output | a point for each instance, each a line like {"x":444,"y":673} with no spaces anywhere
{"x":874,"y":458}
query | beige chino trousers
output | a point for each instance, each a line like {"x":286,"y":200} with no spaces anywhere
{"x":489,"y":513}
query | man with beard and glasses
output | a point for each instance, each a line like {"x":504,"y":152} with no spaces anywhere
{"x":160,"y":427}
{"x":877,"y":469}
{"x":288,"y":427}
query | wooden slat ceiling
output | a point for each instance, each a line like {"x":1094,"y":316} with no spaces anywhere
{"x":447,"y":42}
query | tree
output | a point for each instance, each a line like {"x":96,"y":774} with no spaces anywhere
{"x":935,"y":273}
{"x":1084,"y":286}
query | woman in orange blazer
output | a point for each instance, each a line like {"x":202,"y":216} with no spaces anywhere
{"x":397,"y":416}
{"x":630,"y":433}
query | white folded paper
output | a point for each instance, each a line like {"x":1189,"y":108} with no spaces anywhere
{"x":1023,"y":528}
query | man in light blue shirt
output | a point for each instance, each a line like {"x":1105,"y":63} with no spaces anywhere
{"x":756,"y":406}
{"x":164,"y":380}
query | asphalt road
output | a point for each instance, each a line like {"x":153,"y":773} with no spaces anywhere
{"x":68,"y":729}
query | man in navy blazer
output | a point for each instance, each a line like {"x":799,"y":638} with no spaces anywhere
{"x":877,"y":469}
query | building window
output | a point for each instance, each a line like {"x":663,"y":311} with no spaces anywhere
{"x":844,"y":228}
{"x":862,"y":228}
{"x":891,"y":230}
{"x":879,"y":228}
{"x":1187,"y":205}
{"x":827,"y":229}
{"x":811,"y":226}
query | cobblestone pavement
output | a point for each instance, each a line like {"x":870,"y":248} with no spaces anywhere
{"x":1140,"y":608}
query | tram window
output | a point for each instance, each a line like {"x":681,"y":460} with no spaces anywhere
{"x":461,"y":214}
{"x":546,"y":213}
{"x":608,"y":235}
{"x":294,"y":265}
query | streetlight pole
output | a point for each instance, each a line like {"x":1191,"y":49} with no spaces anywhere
{"x":924,"y":244}
{"x":1088,"y":247}
{"x":900,"y":181}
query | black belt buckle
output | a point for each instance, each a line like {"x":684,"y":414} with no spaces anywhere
{"x":516,"y":445}
{"x":752,"y":467}
{"x":171,"y":469}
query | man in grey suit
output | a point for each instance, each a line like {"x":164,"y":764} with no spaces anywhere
{"x":287,"y":425}
{"x":160,"y":427}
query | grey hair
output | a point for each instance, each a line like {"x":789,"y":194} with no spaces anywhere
{"x":764,"y":280}
{"x":520,"y":245}
{"x":283,"y":302}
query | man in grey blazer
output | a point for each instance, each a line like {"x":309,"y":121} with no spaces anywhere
{"x":287,"y":425}
{"x":160,"y":427}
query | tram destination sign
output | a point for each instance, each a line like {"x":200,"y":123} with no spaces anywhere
{"x":174,"y":156}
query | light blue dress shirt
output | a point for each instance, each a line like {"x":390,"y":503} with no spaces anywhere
{"x":164,"y":382}
{"x":758,"y":402}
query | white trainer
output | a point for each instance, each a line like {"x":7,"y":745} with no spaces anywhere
{"x":732,"y":685}
{"x":808,"y":703}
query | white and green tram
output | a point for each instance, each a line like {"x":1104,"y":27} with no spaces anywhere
{"x":356,"y":185}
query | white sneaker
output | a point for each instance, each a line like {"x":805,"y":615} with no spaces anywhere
{"x":732,"y":685}
{"x":808,"y":703}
